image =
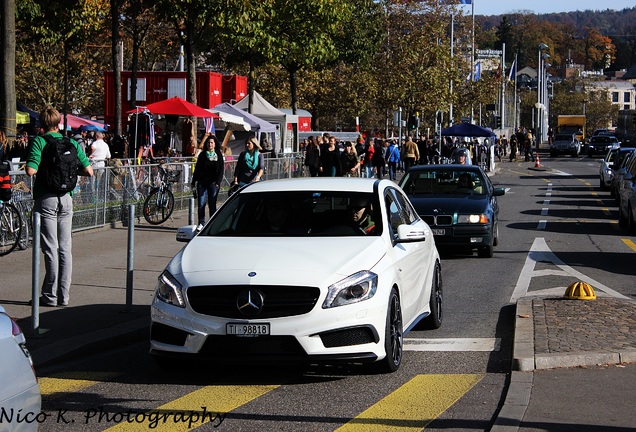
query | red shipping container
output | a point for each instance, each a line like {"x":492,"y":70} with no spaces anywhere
{"x":234,"y":88}
{"x":156,"y":86}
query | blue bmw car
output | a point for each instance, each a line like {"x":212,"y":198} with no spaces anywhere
{"x":458,"y":202}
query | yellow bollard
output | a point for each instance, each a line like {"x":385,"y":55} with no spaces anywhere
{"x":580,"y":291}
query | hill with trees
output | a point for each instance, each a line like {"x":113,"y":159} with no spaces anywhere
{"x":617,"y":25}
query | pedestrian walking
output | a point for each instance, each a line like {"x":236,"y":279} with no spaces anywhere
{"x":207,"y":177}
{"x":251,"y":163}
{"x":393,"y":158}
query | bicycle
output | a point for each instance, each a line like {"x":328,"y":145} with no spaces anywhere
{"x":22,"y":200}
{"x":10,"y":227}
{"x":159,"y":204}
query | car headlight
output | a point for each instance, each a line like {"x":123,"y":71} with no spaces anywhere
{"x":352,"y":289}
{"x":473,"y":219}
{"x":169,"y":290}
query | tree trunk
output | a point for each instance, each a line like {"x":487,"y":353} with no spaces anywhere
{"x":133,"y":67}
{"x":116,"y":58}
{"x":292,"y":89}
{"x":7,"y":53}
{"x":251,"y":77}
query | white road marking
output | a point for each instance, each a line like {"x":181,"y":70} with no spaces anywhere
{"x":453,"y":344}
{"x":561,"y":173}
{"x":542,"y":224}
{"x":539,"y":252}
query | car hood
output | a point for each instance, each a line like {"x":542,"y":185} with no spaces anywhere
{"x":283,"y":261}
{"x":449,"y":204}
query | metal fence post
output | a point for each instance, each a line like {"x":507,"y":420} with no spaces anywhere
{"x":191,"y":211}
{"x":131,"y":257}
{"x":35,"y":278}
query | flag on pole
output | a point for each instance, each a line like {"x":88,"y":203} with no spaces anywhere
{"x":209,"y":125}
{"x":476,"y":75}
{"x":513,"y":70}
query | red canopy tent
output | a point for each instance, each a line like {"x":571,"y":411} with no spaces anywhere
{"x":177,"y":106}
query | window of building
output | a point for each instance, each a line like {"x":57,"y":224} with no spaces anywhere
{"x":627,"y":97}
{"x":614,"y":96}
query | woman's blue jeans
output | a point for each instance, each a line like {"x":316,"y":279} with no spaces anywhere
{"x":207,"y":195}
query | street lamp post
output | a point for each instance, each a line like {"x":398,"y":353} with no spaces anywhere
{"x":546,"y":100}
{"x":539,"y":105}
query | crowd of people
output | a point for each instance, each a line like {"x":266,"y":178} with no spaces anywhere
{"x":325,"y":155}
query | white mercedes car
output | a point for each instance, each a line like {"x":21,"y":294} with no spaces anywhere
{"x":312,"y":269}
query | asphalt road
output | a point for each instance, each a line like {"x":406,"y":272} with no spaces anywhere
{"x":456,"y":384}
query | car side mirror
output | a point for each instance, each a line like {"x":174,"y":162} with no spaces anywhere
{"x":411,"y":233}
{"x":498,"y":191}
{"x":186,"y":233}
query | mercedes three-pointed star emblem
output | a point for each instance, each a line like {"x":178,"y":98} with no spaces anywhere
{"x":250,"y":302}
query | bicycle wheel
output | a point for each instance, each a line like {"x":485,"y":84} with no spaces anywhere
{"x":10,"y":228}
{"x":158,"y":206}
{"x":25,"y":233}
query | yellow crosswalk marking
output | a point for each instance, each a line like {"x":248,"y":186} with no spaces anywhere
{"x":630,"y":244}
{"x":206,"y":405}
{"x":69,"y":382}
{"x":414,"y":405}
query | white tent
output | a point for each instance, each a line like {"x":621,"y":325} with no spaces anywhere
{"x":286,"y":125}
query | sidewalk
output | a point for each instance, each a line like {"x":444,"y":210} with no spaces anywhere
{"x":574,"y":366}
{"x":97,"y":315}
{"x":556,"y":383}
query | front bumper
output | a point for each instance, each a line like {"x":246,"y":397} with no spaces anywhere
{"x":472,"y":236}
{"x":347,"y":333}
{"x":597,"y":149}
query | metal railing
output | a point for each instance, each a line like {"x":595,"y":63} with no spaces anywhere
{"x":104,"y":198}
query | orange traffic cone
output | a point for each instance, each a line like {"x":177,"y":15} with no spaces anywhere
{"x":537,"y":162}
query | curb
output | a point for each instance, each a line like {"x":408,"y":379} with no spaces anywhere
{"x":517,"y":400}
{"x":523,"y":358}
{"x":91,"y":343}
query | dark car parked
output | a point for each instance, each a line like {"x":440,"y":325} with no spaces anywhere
{"x":618,"y":168}
{"x":627,"y":197}
{"x":458,"y":202}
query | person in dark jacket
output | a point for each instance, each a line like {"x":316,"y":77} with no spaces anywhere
{"x":329,"y":161}
{"x":312,"y":154}
{"x":207,"y":177}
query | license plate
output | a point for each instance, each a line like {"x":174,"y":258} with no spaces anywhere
{"x":439,"y":232}
{"x":252,"y":330}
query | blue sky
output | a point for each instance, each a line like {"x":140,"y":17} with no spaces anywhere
{"x":500,"y":7}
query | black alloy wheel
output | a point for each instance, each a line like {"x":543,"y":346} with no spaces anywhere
{"x":393,"y":339}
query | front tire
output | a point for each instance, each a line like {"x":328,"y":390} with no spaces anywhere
{"x":393,"y":338}
{"x":434,"y":320}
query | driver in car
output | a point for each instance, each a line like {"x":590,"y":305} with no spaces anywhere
{"x":360,"y":211}
{"x":464,"y":184}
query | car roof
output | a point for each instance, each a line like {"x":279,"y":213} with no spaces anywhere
{"x":455,"y":167}
{"x":350,"y":184}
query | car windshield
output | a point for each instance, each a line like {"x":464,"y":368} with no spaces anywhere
{"x":444,"y":181}
{"x":563,"y":138}
{"x":297,"y":214}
